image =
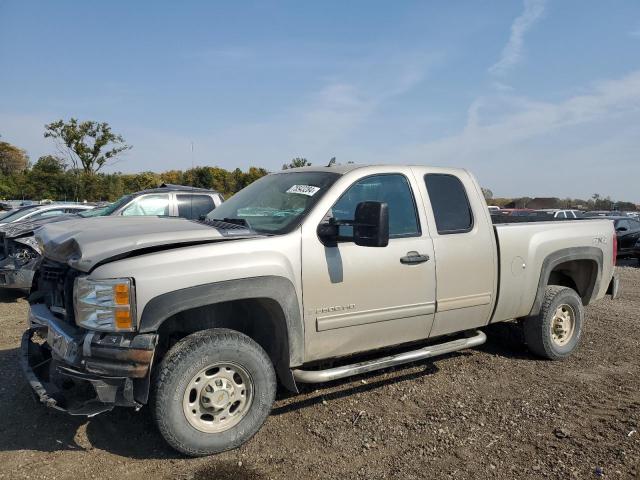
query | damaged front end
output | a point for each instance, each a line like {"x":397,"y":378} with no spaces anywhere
{"x":80,"y":371}
{"x":19,"y":259}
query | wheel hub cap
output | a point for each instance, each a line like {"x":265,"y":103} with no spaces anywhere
{"x":563,"y":325}
{"x":218,"y":397}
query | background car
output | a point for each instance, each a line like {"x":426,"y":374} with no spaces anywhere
{"x":167,"y":200}
{"x":636,"y":250}
{"x":604,"y":213}
{"x":20,"y":255}
{"x":628,"y":234}
{"x":36,"y":212}
{"x":559,"y":214}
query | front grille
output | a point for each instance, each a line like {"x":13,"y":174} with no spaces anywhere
{"x":55,"y":287}
{"x":52,"y":272}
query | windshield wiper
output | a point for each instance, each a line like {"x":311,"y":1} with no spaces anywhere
{"x":234,"y":221}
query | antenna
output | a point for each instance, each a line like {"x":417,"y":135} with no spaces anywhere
{"x":332,"y":162}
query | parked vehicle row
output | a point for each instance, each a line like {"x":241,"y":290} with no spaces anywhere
{"x":20,"y":255}
{"x":37,"y":212}
{"x":285,"y":283}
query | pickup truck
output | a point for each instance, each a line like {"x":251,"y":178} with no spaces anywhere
{"x":305,"y":276}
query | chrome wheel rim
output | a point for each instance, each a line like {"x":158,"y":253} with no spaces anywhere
{"x":218,"y":397}
{"x":563,"y":325}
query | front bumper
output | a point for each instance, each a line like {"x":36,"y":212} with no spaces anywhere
{"x":83,"y":372}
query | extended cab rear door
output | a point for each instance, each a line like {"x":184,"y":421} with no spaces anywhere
{"x":465,"y":249}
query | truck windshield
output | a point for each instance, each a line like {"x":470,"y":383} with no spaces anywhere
{"x":276,"y":203}
{"x":108,"y":210}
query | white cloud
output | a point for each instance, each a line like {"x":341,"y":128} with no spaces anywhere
{"x":519,"y":143}
{"x":512,"y":52}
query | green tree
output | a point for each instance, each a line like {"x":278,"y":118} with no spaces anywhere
{"x":12,"y":159}
{"x":296,"y":163}
{"x":47,"y":178}
{"x":625,"y":206}
{"x":89,"y":145}
{"x":488,"y":194}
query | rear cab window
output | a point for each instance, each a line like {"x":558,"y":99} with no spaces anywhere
{"x":449,"y":202}
{"x":194,"y":206}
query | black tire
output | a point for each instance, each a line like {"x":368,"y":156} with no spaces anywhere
{"x":538,"y":329}
{"x":180,"y":366}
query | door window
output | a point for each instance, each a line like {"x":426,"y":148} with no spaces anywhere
{"x":392,"y":189}
{"x":148,"y":205}
{"x":46,"y":214}
{"x":449,"y":202}
{"x":194,"y":206}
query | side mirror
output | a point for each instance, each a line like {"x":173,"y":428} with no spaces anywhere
{"x":371,"y":224}
{"x":328,"y":233}
{"x":621,"y":229}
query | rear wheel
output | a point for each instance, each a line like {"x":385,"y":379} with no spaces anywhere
{"x":555,"y":332}
{"x":213,"y":391}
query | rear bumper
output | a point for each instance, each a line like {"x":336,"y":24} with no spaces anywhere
{"x":81,"y":372}
{"x":614,"y":287}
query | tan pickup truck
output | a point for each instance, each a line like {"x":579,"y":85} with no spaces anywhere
{"x":290,"y":281}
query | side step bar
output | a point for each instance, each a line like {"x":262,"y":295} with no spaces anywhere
{"x":320,"y":376}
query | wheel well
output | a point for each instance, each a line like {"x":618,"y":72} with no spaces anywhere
{"x":261,"y":319}
{"x":580,"y":275}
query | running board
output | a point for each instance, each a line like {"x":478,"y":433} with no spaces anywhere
{"x":320,"y":376}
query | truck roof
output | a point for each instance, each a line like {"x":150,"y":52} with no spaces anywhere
{"x":169,"y":187}
{"x":349,"y":167}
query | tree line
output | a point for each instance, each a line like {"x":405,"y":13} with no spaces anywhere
{"x":50,"y":178}
{"x":75,"y":173}
{"x":84,"y":148}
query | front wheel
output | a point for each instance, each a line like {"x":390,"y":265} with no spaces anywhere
{"x":555,"y":332}
{"x":213,"y":391}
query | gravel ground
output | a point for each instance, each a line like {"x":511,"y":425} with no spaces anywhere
{"x":491,"y":412}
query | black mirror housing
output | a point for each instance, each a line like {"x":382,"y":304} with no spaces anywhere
{"x":371,"y":224}
{"x":328,"y":233}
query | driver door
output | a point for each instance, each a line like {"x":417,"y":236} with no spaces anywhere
{"x":361,"y":298}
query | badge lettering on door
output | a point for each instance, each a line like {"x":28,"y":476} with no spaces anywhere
{"x":335,"y":308}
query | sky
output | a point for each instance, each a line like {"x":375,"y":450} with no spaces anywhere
{"x":535,"y":97}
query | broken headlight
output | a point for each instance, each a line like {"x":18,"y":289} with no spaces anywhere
{"x":106,"y":305}
{"x":23,"y":249}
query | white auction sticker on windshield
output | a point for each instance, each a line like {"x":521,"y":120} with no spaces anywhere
{"x":308,"y":190}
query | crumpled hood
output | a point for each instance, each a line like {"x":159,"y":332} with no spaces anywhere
{"x":86,"y":242}
{"x":26,"y":227}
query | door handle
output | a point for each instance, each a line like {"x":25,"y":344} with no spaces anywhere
{"x":413,"y":258}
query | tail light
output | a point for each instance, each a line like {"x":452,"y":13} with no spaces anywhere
{"x":615,"y":248}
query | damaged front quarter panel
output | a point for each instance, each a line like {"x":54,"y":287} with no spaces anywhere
{"x":22,"y":258}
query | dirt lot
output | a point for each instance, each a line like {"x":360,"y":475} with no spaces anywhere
{"x":492,"y":412}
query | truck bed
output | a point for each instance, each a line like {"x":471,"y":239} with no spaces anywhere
{"x":523,"y":249}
